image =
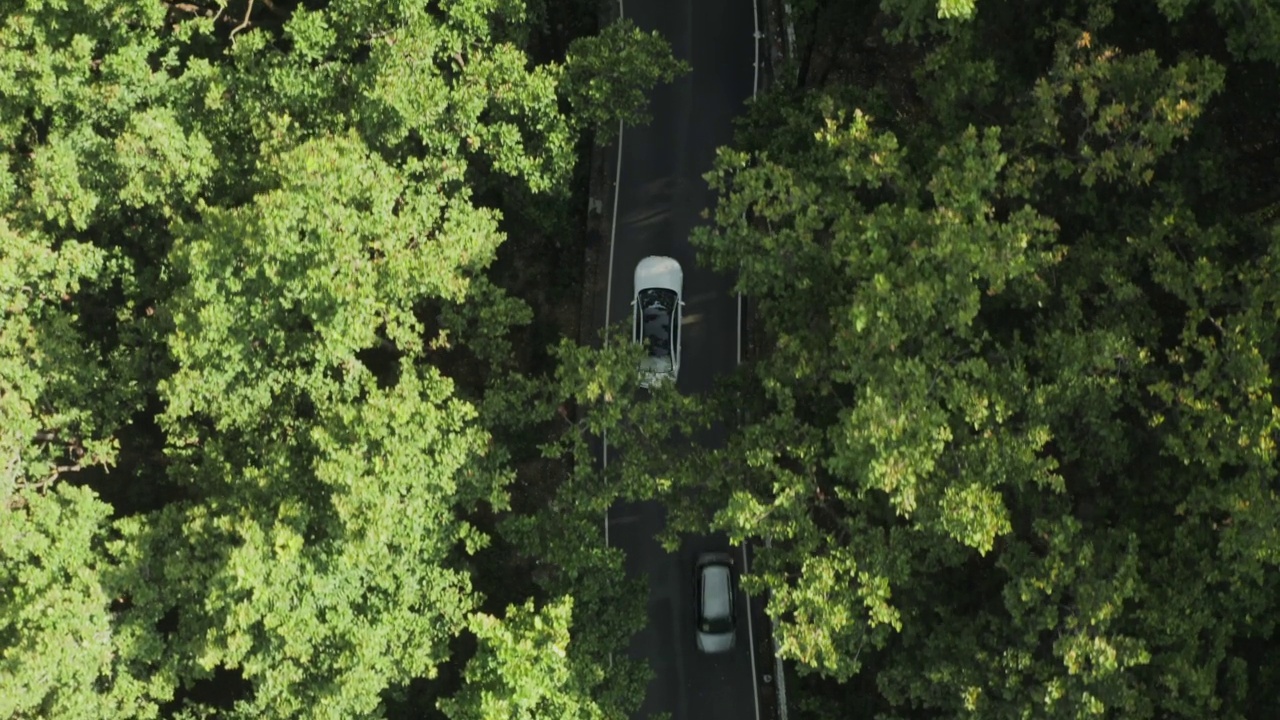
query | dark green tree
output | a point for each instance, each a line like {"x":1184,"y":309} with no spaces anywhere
{"x":1009,"y":446}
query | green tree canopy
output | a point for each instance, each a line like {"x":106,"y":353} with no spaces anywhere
{"x":237,"y":245}
{"x":1010,"y":441}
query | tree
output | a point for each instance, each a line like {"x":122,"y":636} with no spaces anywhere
{"x":50,"y":427}
{"x":71,"y":376}
{"x":318,"y":554}
{"x":607,"y":75}
{"x":55,"y":623}
{"x":1008,"y":444}
{"x":237,"y":252}
{"x":521,"y":670}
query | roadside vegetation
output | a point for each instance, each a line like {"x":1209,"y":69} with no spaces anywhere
{"x":294,"y":423}
{"x":276,"y":277}
{"x":1011,"y":436}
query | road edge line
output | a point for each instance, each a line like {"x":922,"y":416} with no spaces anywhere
{"x":608,"y":292}
{"x":751,"y":634}
{"x":779,"y":670}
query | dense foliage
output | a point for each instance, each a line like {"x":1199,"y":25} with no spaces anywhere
{"x":249,"y":329}
{"x":1011,"y":439}
{"x":278,"y":439}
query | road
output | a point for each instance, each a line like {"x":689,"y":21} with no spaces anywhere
{"x":660,"y":197}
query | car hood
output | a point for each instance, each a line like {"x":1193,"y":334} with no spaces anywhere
{"x":659,"y":272}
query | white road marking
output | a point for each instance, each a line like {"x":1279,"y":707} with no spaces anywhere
{"x":624,"y":520}
{"x":751,"y":635}
{"x":739,"y":329}
{"x":608,"y":291}
{"x":755,"y":87}
{"x":613,"y":231}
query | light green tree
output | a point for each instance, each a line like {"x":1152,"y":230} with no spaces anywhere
{"x":237,"y":244}
{"x":607,"y":76}
{"x":521,"y":670}
{"x":54,"y":617}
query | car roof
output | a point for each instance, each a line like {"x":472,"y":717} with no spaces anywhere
{"x":717,"y":596}
{"x":657,"y":271}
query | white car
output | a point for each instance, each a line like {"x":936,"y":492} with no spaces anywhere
{"x":658,"y":303}
{"x":713,"y":596}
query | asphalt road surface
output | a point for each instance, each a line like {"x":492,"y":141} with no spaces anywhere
{"x":661,"y":195}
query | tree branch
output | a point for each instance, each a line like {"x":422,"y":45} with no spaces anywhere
{"x":58,"y":470}
{"x":248,"y":11}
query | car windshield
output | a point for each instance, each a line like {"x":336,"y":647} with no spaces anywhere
{"x":656,"y":305}
{"x":716,"y":627}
